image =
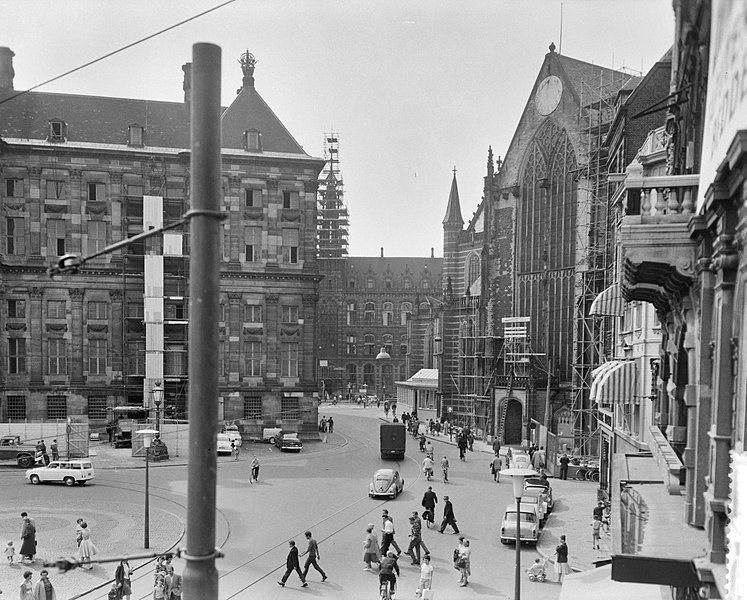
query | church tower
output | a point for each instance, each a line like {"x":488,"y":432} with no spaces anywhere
{"x":453,"y":224}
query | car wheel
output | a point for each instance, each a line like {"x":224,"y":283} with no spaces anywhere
{"x":504,"y":542}
{"x":272,"y":440}
{"x":25,"y":462}
{"x":69,"y":481}
{"x":35,"y":479}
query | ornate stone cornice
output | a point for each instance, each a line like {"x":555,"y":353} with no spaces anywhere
{"x":95,"y":208}
{"x":75,"y":174}
{"x":115,"y":295}
{"x":272,"y":298}
{"x":255,"y":213}
{"x":290,"y":332}
{"x":15,"y":326}
{"x":234,"y":298}
{"x":253,"y":331}
{"x":55,"y":208}
{"x":272,"y":184}
{"x":56,"y":327}
{"x":290,"y":215}
{"x":97,"y":328}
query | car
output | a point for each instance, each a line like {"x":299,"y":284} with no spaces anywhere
{"x":528,"y":525}
{"x":536,"y":496}
{"x":270,"y":434}
{"x":223,"y":444}
{"x":386,"y":482}
{"x":288,"y":441}
{"x":544,"y":484}
{"x":233,"y":433}
{"x":520,"y":460}
{"x":68,"y":472}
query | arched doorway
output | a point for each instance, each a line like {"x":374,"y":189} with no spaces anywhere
{"x":512,"y":429}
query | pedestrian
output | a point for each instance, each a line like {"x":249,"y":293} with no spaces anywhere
{"x":538,"y":459}
{"x":429,"y":503}
{"x":598,"y":511}
{"x":312,"y":550}
{"x":28,"y":535}
{"x":159,"y":587}
{"x":564,"y":460}
{"x":255,"y":470}
{"x":445,"y":469}
{"x":509,"y":457}
{"x":55,"y":451}
{"x":495,"y":467}
{"x":596,"y":526}
{"x":78,"y":531}
{"x":292,"y":564}
{"x":449,"y":518}
{"x":415,"y":539}
{"x":173,"y":583}
{"x":470,"y":439}
{"x":387,"y":569}
{"x":561,"y":559}
{"x":416,"y":516}
{"x":463,"y":563}
{"x":27,"y":587}
{"x":38,"y":456}
{"x":426,"y":575}
{"x":43,"y":448}
{"x":371,"y":550}
{"x":86,"y":549}
{"x":123,"y":580}
{"x":236,"y":446}
{"x":330,"y":425}
{"x":10,"y":552}
{"x":44,"y":589}
{"x":496,"y":445}
{"x":387,"y":534}
{"x":462,"y":444}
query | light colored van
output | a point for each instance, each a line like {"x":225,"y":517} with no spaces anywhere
{"x":68,"y":472}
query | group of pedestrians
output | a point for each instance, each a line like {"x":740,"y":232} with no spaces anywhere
{"x":167,"y":584}
{"x":327,"y":425}
{"x":86,"y":548}
{"x":292,"y":562}
{"x":42,"y":590}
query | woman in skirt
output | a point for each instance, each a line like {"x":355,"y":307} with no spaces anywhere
{"x":561,"y":559}
{"x":86,"y":550}
{"x":371,"y":550}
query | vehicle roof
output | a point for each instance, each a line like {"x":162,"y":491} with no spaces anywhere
{"x":222,"y":436}
{"x":534,"y":491}
{"x":385,"y":472}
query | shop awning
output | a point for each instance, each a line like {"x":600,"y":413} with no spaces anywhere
{"x":614,"y":381}
{"x":609,"y":303}
{"x":598,"y":583}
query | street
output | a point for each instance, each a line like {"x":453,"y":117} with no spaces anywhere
{"x":324,"y":489}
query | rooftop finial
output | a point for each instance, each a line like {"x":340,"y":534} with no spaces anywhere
{"x":552,"y":47}
{"x":454,"y":170}
{"x":247,"y":62}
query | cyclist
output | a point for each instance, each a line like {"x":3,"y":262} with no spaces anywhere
{"x":387,"y":578}
{"x":445,"y":468}
{"x":428,"y":467}
{"x":422,"y":442}
{"x":429,"y":449}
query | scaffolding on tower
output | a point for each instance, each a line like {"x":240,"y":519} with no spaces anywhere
{"x":332,"y":219}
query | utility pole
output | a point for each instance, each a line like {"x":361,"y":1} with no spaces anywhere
{"x":200,"y":574}
{"x":545,"y":187}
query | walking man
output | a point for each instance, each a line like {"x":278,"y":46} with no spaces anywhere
{"x":462,"y":443}
{"x":55,"y":451}
{"x":429,"y":503}
{"x":564,"y":460}
{"x":313,"y":551}
{"x":449,"y":518}
{"x":495,"y":467}
{"x":387,"y":534}
{"x":418,"y":524}
{"x":292,"y":564}
{"x":330,"y":425}
{"x":255,"y":470}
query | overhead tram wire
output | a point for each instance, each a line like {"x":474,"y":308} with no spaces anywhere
{"x":113,"y":52}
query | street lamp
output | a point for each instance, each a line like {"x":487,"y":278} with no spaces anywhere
{"x":147,"y":438}
{"x":383,"y":355}
{"x":157,"y":399}
{"x":517,"y":476}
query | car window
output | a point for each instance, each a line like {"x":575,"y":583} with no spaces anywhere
{"x":87,"y":466}
{"x":53,"y":466}
{"x":64,"y":465}
{"x":77,"y":466}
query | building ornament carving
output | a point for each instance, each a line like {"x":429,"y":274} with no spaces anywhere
{"x":98,"y":328}
{"x":10,"y":206}
{"x":234,"y":298}
{"x":55,"y":208}
{"x":36,"y":292}
{"x":75,"y":174}
{"x":15,"y":326}
{"x":56,"y":327}
{"x":76,"y":294}
{"x":272,"y":298}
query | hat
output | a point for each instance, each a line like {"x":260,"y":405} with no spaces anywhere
{"x":446,"y":497}
{"x":370,"y":525}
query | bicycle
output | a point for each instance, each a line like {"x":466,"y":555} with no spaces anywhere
{"x":386,"y":590}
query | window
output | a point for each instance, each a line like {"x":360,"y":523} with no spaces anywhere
{"x":14,"y":188}
{"x":17,"y":408}
{"x":55,"y":190}
{"x":97,"y":407}
{"x":352,"y":342}
{"x":135,"y":310}
{"x":352,"y":314}
{"x":176,"y":310}
{"x":369,"y":376}
{"x":96,"y":236}
{"x":56,"y":407}
{"x":351,"y":284}
{"x":15,"y":240}
{"x":16,"y":355}
{"x":290,"y":246}
{"x":97,"y":350}
{"x":97,"y":310}
{"x":252,"y":244}
{"x":290,"y":199}
{"x":370,"y":283}
{"x":56,"y":232}
{"x":387,"y":340}
{"x":369,"y":313}
{"x":252,"y":197}
{"x":136,"y":358}
{"x":57,"y":131}
{"x":289,"y":359}
{"x":96,"y":191}
{"x":56,"y":309}
{"x":252,"y":407}
{"x":135,"y":135}
{"x":253,"y":359}
{"x":388,"y":314}
{"x":425,"y":284}
{"x":403,"y":344}
{"x":370,"y":342}
{"x":407,"y":283}
{"x":473,"y":270}
{"x":388,"y":284}
{"x":290,"y":314}
{"x":175,"y":361}
{"x":405,"y":310}
{"x":16,"y":309}
{"x":253,"y":140}
{"x":352,"y":374}
{"x":289,"y":408}
{"x":253,"y":313}
{"x":57,"y":356}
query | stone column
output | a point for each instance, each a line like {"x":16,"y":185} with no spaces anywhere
{"x":272,"y":332}
{"x":75,"y":352}
{"x":36,"y":350}
{"x":308,"y":358}
{"x":235,"y":320}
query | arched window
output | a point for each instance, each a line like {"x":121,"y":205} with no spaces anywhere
{"x":407,"y":283}
{"x":369,"y":376}
{"x":473,"y":271}
{"x":403,"y":344}
{"x":370,"y":342}
{"x":352,"y":313}
{"x":387,"y":313}
{"x":370,"y":283}
{"x":387,"y":341}
{"x":405,"y":310}
{"x":352,"y":342}
{"x":353,"y":375}
{"x":369,"y":313}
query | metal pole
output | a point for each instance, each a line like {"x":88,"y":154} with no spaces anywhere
{"x":146,"y":532}
{"x":200,"y":574}
{"x":517,"y":585}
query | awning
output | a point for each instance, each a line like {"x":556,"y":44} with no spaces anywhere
{"x":609,"y":303}
{"x":597,"y":583}
{"x":614,"y":381}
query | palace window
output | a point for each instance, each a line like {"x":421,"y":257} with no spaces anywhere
{"x":56,"y":233}
{"x":369,"y":313}
{"x":369,"y":376}
{"x":253,"y":359}
{"x":252,"y":197}
{"x":253,"y":313}
{"x":352,"y":372}
{"x":97,"y":351}
{"x":252,"y":407}
{"x":57,"y":131}
{"x":352,"y":344}
{"x":55,"y":190}
{"x":290,"y":199}
{"x":405,"y":311}
{"x":96,"y":236}
{"x":14,"y":188}
{"x":16,"y":408}
{"x":175,"y":360}
{"x":16,"y":355}
{"x":253,"y":140}
{"x":289,"y":359}
{"x":96,"y":191}
{"x":57,"y":356}
{"x":56,"y":407}
{"x":370,"y":342}
{"x":135,"y":135}
{"x":97,"y":310}
{"x":15,"y":239}
{"x":289,"y":408}
{"x":290,"y":246}
{"x":16,"y":309}
{"x":97,"y":407}
{"x":290,"y":314}
{"x":252,"y":244}
{"x":352,"y":314}
{"x":56,"y":309}
{"x":387,"y":314}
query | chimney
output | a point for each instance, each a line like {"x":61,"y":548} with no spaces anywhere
{"x":6,"y":69}
{"x":432,"y":255}
{"x":382,"y":252}
{"x":187,"y":85}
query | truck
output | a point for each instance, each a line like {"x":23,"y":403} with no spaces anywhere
{"x":125,"y":420}
{"x":11,"y":448}
{"x":392,"y":440}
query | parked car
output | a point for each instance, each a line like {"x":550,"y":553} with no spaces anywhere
{"x":233,"y":433}
{"x":270,"y":434}
{"x":223,"y":444}
{"x":544,"y":484}
{"x":536,"y":496}
{"x":288,"y":441}
{"x":11,"y":448}
{"x":386,"y":482}
{"x":528,"y":525}
{"x":68,"y":472}
{"x":520,"y":460}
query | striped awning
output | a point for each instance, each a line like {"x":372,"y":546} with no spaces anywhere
{"x":609,"y":303}
{"x":614,"y":382}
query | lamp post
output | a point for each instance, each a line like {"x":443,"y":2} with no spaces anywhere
{"x":383,"y":355}
{"x":157,"y":400}
{"x":517,"y":476}
{"x":147,"y":438}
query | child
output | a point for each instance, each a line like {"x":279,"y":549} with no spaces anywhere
{"x":113,"y":593}
{"x":537,"y":571}
{"x":426,"y":575}
{"x":10,"y":552}
{"x":159,"y":588}
{"x":596,"y":525}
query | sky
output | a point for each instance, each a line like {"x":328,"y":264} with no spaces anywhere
{"x":413,"y":89}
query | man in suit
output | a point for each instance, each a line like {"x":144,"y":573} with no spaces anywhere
{"x":449,"y":518}
{"x":173,"y":583}
{"x":292,"y":564}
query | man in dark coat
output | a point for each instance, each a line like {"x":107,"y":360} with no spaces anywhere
{"x":564,"y":460}
{"x":28,"y":535}
{"x":292,"y":564}
{"x":462,"y":443}
{"x":429,"y":503}
{"x":449,"y":518}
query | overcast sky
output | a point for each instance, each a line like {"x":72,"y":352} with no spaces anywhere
{"x":413,"y":88}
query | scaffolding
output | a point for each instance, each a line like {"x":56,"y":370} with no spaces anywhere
{"x":595,"y":271}
{"x":332,"y":220}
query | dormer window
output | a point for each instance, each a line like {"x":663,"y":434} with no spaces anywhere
{"x":57,"y":130}
{"x":135,"y":135}
{"x":253,"y":140}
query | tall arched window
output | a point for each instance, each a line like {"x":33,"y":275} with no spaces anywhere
{"x":473,"y":271}
{"x":353,"y":375}
{"x":369,"y":376}
{"x":369,"y":313}
{"x":387,"y":313}
{"x":387,"y":341}
{"x":370,"y":342}
{"x":352,"y":313}
{"x":405,"y":310}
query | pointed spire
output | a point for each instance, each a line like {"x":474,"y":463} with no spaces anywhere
{"x":490,"y":161}
{"x":453,"y":209}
